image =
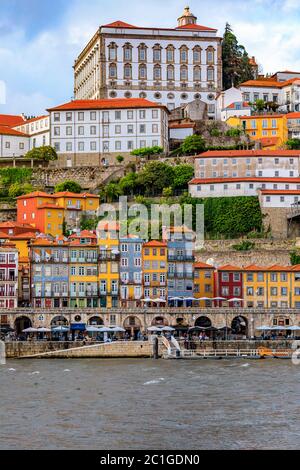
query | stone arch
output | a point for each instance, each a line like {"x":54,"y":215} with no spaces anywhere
{"x":22,"y":323}
{"x":95,"y":320}
{"x":160,"y":321}
{"x":133,"y":326}
{"x":239,"y":326}
{"x":203,"y":322}
{"x":59,"y":320}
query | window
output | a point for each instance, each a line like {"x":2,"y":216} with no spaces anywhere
{"x":184,"y":54}
{"x":210,"y":74}
{"x":170,"y":54}
{"x":118,"y":145}
{"x":142,"y":53}
{"x":68,"y":117}
{"x":157,"y":54}
{"x":57,"y":146}
{"x":155,"y":128}
{"x":81,"y":130}
{"x":118,"y":129}
{"x":130,"y":129}
{"x":129,"y":114}
{"x":69,"y":130}
{"x":93,"y":130}
{"x":69,"y":146}
{"x":128,"y":53}
{"x":170,"y":72}
{"x":93,"y":116}
{"x":81,"y":116}
{"x":142,"y":128}
{"x":210,"y":56}
{"x":197,"y":74}
{"x":56,"y":117}
{"x":7,"y":145}
{"x":154,"y":114}
{"x":112,"y":52}
{"x":197,"y":55}
{"x":183,"y":73}
{"x":56,"y":131}
{"x":130,"y":145}
{"x":81,"y":146}
{"x":106,"y":146}
{"x":157,"y":72}
{"x":93,"y":146}
{"x":117,"y":115}
{"x":142,"y":114}
{"x":113,"y":71}
{"x":143,"y":72}
{"x":127,"y":72}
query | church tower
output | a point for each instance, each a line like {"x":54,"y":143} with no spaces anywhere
{"x":187,"y":18}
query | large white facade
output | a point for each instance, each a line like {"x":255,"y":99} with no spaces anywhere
{"x":104,"y":127}
{"x":38,"y":130}
{"x":167,"y":66}
{"x":12,"y":143}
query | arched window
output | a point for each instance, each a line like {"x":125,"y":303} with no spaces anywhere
{"x":170,"y":53}
{"x":157,"y":72}
{"x":210,"y":74}
{"x":197,"y":55}
{"x":142,"y":53}
{"x":127,"y":52}
{"x":112,"y":71}
{"x":197,"y":74}
{"x":157,"y":53}
{"x":184,"y":55}
{"x":170,"y":72}
{"x":183,"y":73}
{"x":127,"y":72}
{"x":142,"y":72}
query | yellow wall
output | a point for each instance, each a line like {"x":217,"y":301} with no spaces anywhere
{"x":107,"y":242}
{"x":271,"y":280}
{"x":204,"y":283}
{"x":280,"y":128}
{"x":55,"y":218}
{"x":155,"y":255}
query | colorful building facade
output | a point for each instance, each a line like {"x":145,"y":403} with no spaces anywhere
{"x":155,"y":270}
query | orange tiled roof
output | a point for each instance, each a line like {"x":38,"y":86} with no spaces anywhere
{"x":113,"y":103}
{"x":248,"y":153}
{"x":182,"y":126}
{"x":119,"y":24}
{"x":253,"y":267}
{"x":15,"y":225}
{"x":35,"y":194}
{"x":244,"y":180}
{"x":155,"y":243}
{"x":269,"y":83}
{"x":24,"y":236}
{"x":293,"y":115}
{"x":203,"y":266}
{"x":84,"y":234}
{"x":229,"y":267}
{"x":4,"y":235}
{"x":10,"y":120}
{"x":5,"y":130}
{"x":196,"y":27}
{"x":269,"y":141}
{"x":280,"y":192}
{"x":74,"y":195}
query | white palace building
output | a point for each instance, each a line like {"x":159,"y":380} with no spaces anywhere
{"x":169,"y":66}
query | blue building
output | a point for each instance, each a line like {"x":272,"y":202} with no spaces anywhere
{"x":131,"y":275}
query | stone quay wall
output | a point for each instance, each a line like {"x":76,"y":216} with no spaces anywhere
{"x":67,"y":350}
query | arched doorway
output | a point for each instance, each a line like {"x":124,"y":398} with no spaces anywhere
{"x":203,"y":322}
{"x":239,"y":326}
{"x":22,"y":323}
{"x":160,"y":321}
{"x":96,"y":321}
{"x":59,"y":321}
{"x":133,"y":326}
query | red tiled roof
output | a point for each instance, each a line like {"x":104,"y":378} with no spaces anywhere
{"x":74,"y":195}
{"x":293,"y":115}
{"x":113,"y":103}
{"x":24,"y":236}
{"x":253,"y":267}
{"x":181,"y":126}
{"x":279,"y":268}
{"x":264,"y":116}
{"x":155,"y":243}
{"x":246,"y":180}
{"x":15,"y":225}
{"x":10,"y":120}
{"x":4,"y":235}
{"x":4,"y":130}
{"x":279,"y":192}
{"x":244,"y":103}
{"x":229,"y":267}
{"x":269,"y":83}
{"x":119,"y":24}
{"x":269,"y":141}
{"x":35,"y":194}
{"x":248,"y":153}
{"x":196,"y":27}
{"x":35,"y":119}
{"x":83,"y":234}
{"x":203,"y":266}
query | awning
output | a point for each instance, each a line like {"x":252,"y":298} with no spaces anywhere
{"x":78,"y":326}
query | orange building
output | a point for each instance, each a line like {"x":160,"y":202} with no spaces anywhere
{"x":47,"y":212}
{"x":204,"y":283}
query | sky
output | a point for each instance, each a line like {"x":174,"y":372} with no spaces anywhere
{"x":39,"y":40}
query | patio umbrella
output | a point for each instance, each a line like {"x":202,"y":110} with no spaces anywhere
{"x":155,"y":328}
{"x":264,"y":328}
{"x":175,"y":298}
{"x":279,"y":328}
{"x":223,"y":328}
{"x":60,"y":329}
{"x":218,"y":298}
{"x":235,"y":300}
{"x":168,"y":328}
{"x":159,"y":301}
{"x":118,"y":329}
{"x":92,"y":329}
{"x":147,"y":300}
{"x":190,"y":298}
{"x":294,"y":328}
{"x":104,"y":330}
{"x":30,"y":330}
{"x":44,"y":330}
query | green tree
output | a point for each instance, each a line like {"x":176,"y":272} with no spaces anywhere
{"x":183,"y":174}
{"x":88,"y":223}
{"x":236,"y":64}
{"x":155,"y":177}
{"x":46,"y":153}
{"x":293,"y":144}
{"x":112,"y":191}
{"x":129,"y":184}
{"x":192,"y":145}
{"x":17,"y":189}
{"x":167,"y":192}
{"x":295,"y":258}
{"x":71,"y":186}
{"x":120,"y":159}
{"x":147,"y":152}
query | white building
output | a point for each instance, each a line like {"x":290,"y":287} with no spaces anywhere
{"x":226,"y":98}
{"x":91,"y":132}
{"x":38,"y":130}
{"x":170,"y":66}
{"x":280,"y":198}
{"x":12,"y":143}
{"x":179,"y":131}
{"x":247,"y":164}
{"x":275,"y":89}
{"x":234,"y":187}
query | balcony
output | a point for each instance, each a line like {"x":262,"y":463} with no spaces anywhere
{"x":8,"y":279}
{"x":181,"y":258}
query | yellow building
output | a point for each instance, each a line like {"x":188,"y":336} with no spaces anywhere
{"x":270,"y":287}
{"x":155,"y":268}
{"x":83,"y":270}
{"x":204,"y":283}
{"x":109,"y":258}
{"x":270,"y":129}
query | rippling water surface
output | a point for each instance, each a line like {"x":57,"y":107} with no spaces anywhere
{"x":146,"y":404}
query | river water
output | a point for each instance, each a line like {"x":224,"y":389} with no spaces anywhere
{"x":147,"y":404}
